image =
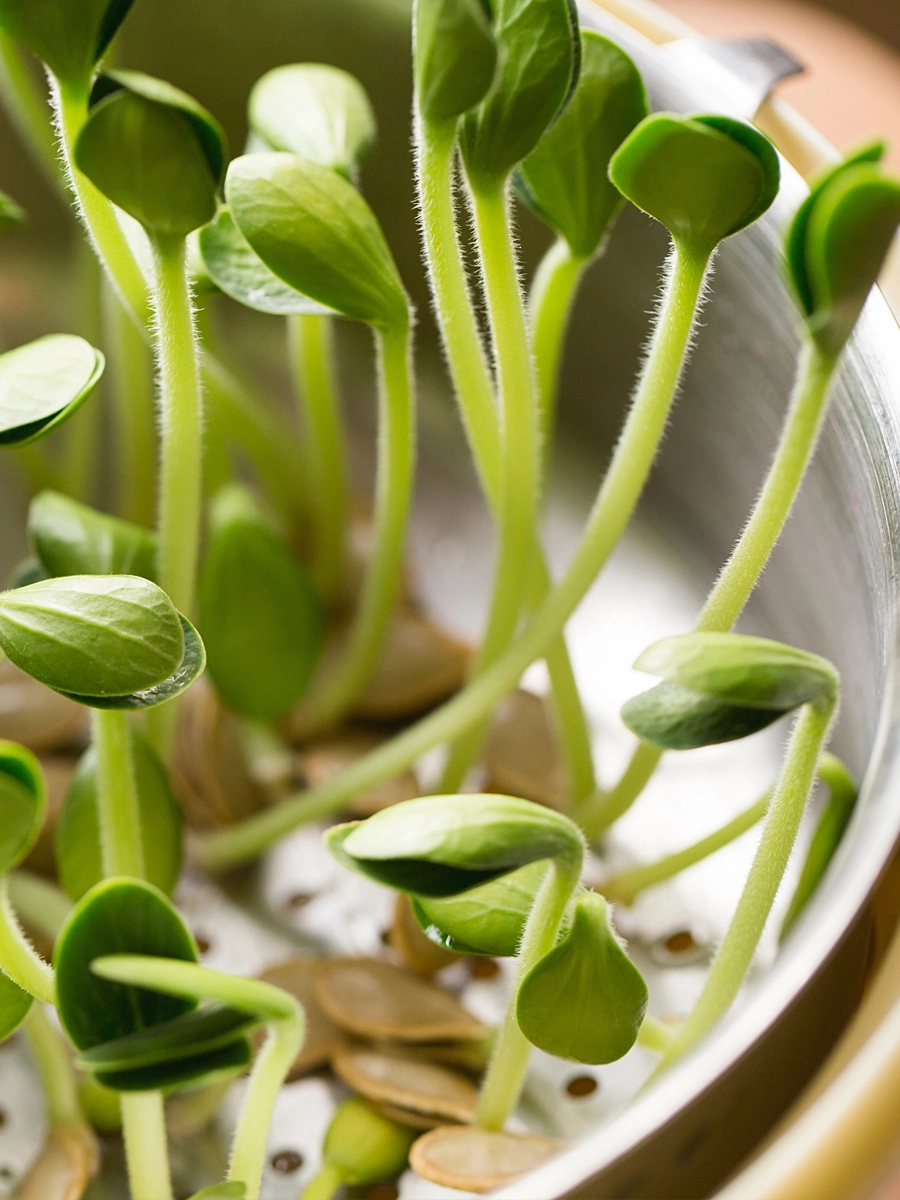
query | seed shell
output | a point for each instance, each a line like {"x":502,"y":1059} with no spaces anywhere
{"x":478,"y":1160}
{"x":408,"y":1084}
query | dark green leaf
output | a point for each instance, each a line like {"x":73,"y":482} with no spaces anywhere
{"x":442,"y":845}
{"x":98,"y":635}
{"x":703,"y":177}
{"x":118,"y":916}
{"x":240,"y":273}
{"x":74,"y":539}
{"x":315,"y":231}
{"x":43,"y":383}
{"x":12,"y":215}
{"x":78,"y":854}
{"x":750,"y":671}
{"x":538,"y":44}
{"x":69,"y":35}
{"x":365,"y":1145}
{"x":14,"y":1006}
{"x":184,"y":1074}
{"x":489,"y":919}
{"x":153,"y":151}
{"x":29,"y":570}
{"x":586,"y":999}
{"x":827,"y":837}
{"x":315,"y":111}
{"x":23,"y":803}
{"x":454,"y":56}
{"x":677,"y":718}
{"x":565,"y":179}
{"x":190,"y":1035}
{"x":262,"y":623}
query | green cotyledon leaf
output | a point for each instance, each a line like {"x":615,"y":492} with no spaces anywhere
{"x":23,"y":803}
{"x":43,"y":383}
{"x":316,"y":111}
{"x":678,"y":718}
{"x":443,"y":845}
{"x":154,"y":151}
{"x":317,"y":234}
{"x":117,"y":916}
{"x":193,"y":1033}
{"x":69,"y":35}
{"x":564,"y":179}
{"x":183,"y":1074}
{"x":71,"y":538}
{"x":78,"y":851}
{"x":97,"y":635}
{"x":454,"y":57}
{"x":537,"y":68}
{"x":261,"y":621}
{"x":586,"y":999}
{"x":704,"y":177}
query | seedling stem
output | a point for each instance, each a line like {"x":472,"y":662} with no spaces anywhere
{"x":549,"y":308}
{"x":117,"y":801}
{"x":20,"y":960}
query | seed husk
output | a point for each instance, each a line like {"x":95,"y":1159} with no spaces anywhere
{"x":69,"y":1160}
{"x":320,"y":761}
{"x":408,"y":1084}
{"x":375,"y":999}
{"x":405,"y":1116}
{"x":37,"y":717}
{"x":522,"y":755}
{"x":471,"y":1057}
{"x":418,"y":952}
{"x":323,"y":1038}
{"x":478,"y":1160}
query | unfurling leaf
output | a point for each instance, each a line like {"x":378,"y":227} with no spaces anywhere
{"x":262,"y":623}
{"x":23,"y":803}
{"x":586,"y":999}
{"x":78,"y":851}
{"x":703,"y":177}
{"x":69,"y":35}
{"x":443,"y":845}
{"x":565,"y":179}
{"x":154,"y":151}
{"x":74,"y":539}
{"x":316,"y":111}
{"x":236,"y":269}
{"x":454,"y":56}
{"x":316,"y":232}
{"x":837,"y":244}
{"x":118,"y":916}
{"x":43,"y":383}
{"x":537,"y":68}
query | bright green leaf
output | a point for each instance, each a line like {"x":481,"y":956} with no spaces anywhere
{"x":118,"y":916}
{"x":78,"y":853}
{"x":69,"y":35}
{"x":99,"y":635}
{"x":240,"y":273}
{"x":73,"y":539}
{"x":14,"y":1006}
{"x":703,"y":177}
{"x":315,"y":111}
{"x":537,"y":65}
{"x":43,"y":383}
{"x":678,"y":718}
{"x":153,"y":151}
{"x":565,"y":179}
{"x":23,"y":803}
{"x":261,"y":621}
{"x":315,"y":231}
{"x":364,"y":1145}
{"x":586,"y":999}
{"x":454,"y":56}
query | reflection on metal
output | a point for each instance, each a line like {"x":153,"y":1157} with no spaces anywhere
{"x":743,"y":70}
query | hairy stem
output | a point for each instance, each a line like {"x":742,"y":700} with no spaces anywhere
{"x":117,"y":799}
{"x":146,"y":1151}
{"x":310,"y":341}
{"x":549,"y":308}
{"x":18,"y":958}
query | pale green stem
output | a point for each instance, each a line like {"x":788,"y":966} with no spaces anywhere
{"x":632,"y":459}
{"x":624,"y":887}
{"x":785,"y":812}
{"x":396,"y":460}
{"x":323,"y":1184}
{"x":18,"y":958}
{"x":474,"y":391}
{"x":310,"y":342}
{"x":739,"y":576}
{"x":549,"y":308}
{"x":130,"y":371}
{"x":81,"y":447}
{"x":509,"y":1060}
{"x":28,"y":110}
{"x":117,"y":799}
{"x":54,"y":1063}
{"x":42,"y":905}
{"x":97,"y":213}
{"x":146,"y":1149}
{"x":181,"y":449}
{"x":520,"y":463}
{"x":654,"y":1035}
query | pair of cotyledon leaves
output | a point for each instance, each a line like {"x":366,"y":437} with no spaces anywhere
{"x":70,"y":36}
{"x":583,"y":1000}
{"x":718,"y":687}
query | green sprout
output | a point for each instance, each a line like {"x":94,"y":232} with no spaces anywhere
{"x":361,"y":1147}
